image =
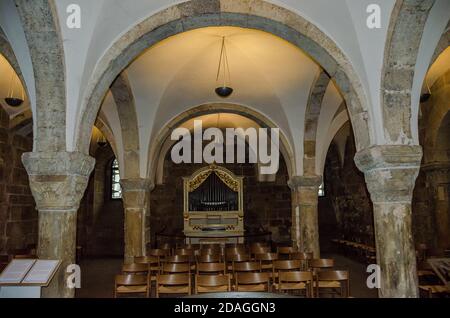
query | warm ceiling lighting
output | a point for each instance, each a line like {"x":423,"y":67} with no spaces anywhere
{"x":224,"y":90}
{"x":12,"y":100}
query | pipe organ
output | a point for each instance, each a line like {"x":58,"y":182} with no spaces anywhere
{"x":213,"y":206}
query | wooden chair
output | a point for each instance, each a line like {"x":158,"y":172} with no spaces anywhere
{"x":131,"y":284}
{"x":184,"y":251}
{"x":259,"y":250}
{"x":211,"y":268}
{"x":236,"y":258}
{"x":210,"y":251}
{"x":241,"y":250}
{"x":212,"y":283}
{"x":178,"y":259}
{"x":173,"y":284}
{"x":174,"y":268}
{"x":295,"y":281}
{"x":304,"y":257}
{"x":152,"y":263}
{"x":161,"y":253}
{"x":213,"y":258}
{"x":284,"y":266}
{"x":266,"y":260}
{"x":252,"y":282}
{"x":284,"y":252}
{"x":135,"y":269}
{"x":332,"y":280}
{"x":321,"y":263}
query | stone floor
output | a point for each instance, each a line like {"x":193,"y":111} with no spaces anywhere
{"x":97,"y":277}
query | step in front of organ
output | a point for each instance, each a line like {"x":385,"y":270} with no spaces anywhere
{"x":213,"y":206}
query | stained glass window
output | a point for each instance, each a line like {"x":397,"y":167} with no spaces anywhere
{"x":116,"y":190}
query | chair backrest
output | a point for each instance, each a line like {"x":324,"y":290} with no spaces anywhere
{"x":333,"y":275}
{"x":210,"y":251}
{"x":259,"y":249}
{"x":266,"y":257}
{"x":321,"y":263}
{"x":286,"y":250}
{"x":130,"y":280}
{"x":212,"y":258}
{"x":287,"y":265}
{"x":218,"y":268}
{"x":158,"y":252}
{"x":246,"y":267}
{"x":151,"y":260}
{"x":175,"y":268}
{"x":243,"y":280}
{"x":184,"y":251}
{"x":209,"y":282}
{"x":286,"y":279}
{"x":178,"y":259}
{"x":235,"y":250}
{"x":295,"y":276}
{"x":237,"y":258}
{"x":259,"y":244}
{"x":135,"y":268}
{"x":173,"y":280}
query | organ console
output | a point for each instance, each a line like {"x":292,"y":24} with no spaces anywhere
{"x":213,"y":206}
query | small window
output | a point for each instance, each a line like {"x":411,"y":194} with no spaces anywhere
{"x":116,"y":190}
{"x":322,"y":190}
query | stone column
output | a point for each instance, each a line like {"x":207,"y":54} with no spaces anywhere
{"x":135,"y":194}
{"x":305,"y":224}
{"x":58,"y":181}
{"x":390,"y":173}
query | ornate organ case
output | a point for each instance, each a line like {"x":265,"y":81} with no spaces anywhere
{"x":213,"y":205}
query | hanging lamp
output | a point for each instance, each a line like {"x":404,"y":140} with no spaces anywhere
{"x":12,"y":100}
{"x":224,"y":90}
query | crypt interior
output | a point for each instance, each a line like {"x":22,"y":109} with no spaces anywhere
{"x":87,"y":174}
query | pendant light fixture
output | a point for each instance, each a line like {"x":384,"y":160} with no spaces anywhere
{"x":11,"y":99}
{"x":224,"y":69}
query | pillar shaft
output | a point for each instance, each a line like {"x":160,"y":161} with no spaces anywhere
{"x":305,"y":228}
{"x":135,"y":194}
{"x":58,"y":181}
{"x":390,"y":173}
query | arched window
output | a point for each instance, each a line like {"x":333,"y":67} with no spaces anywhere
{"x":116,"y":190}
{"x":322,"y":190}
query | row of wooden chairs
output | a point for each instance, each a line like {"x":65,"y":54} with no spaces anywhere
{"x":289,"y":281}
{"x":361,"y":251}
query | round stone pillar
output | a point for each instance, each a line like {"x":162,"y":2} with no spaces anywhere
{"x":390,"y":173}
{"x":305,"y":223}
{"x":135,"y":195}
{"x":58,"y":181}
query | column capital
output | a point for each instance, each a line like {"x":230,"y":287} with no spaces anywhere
{"x":390,"y":171}
{"x":137,"y":184}
{"x":389,"y":157}
{"x":58,"y":179}
{"x":312,"y":181}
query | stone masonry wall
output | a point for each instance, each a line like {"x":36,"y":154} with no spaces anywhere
{"x":18,"y":216}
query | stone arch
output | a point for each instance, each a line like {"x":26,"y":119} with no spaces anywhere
{"x":444,"y":42}
{"x":159,"y":146}
{"x":124,"y":99}
{"x":47,"y":56}
{"x":259,"y":15}
{"x":311,"y":122}
{"x":404,"y":36}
